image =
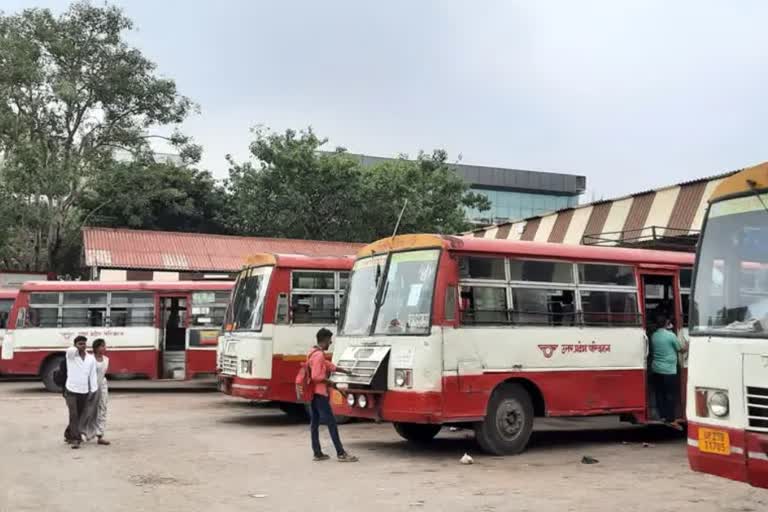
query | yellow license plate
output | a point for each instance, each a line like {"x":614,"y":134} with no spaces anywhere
{"x":336,"y":398}
{"x":714,"y":441}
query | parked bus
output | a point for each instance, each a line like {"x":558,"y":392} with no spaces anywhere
{"x":487,"y":334}
{"x":728,"y":381}
{"x":279,"y":303}
{"x":156,"y":330}
{"x":6,"y":303}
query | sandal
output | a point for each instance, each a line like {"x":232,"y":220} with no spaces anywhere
{"x":321,"y":457}
{"x":347,"y":458}
{"x":103,"y":442}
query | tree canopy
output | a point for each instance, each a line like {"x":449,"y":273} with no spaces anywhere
{"x":72,"y":92}
{"x":295,"y":190}
{"x":80,"y":109}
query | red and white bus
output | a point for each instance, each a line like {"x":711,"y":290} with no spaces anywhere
{"x":278,"y":305}
{"x":487,"y":334}
{"x":727,"y":406}
{"x":6,"y":303}
{"x":153,"y":329}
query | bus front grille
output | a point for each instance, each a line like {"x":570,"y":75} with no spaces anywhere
{"x":228,"y":364}
{"x":757,"y":408}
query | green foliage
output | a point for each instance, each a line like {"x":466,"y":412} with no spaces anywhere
{"x":72,"y":91}
{"x":155,"y":196}
{"x":297,"y":191}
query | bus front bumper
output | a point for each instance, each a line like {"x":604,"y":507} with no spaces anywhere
{"x":251,"y":389}
{"x":735,"y":454}
{"x":397,"y":406}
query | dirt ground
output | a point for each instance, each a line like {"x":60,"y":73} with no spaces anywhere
{"x":197,"y":450}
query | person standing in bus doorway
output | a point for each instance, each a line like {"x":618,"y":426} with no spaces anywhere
{"x":320,"y":407}
{"x":81,"y":382}
{"x":666,"y":347}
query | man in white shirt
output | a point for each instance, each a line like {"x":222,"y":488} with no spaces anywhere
{"x":81,"y":382}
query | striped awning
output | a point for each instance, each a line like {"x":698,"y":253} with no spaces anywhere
{"x":669,"y":212}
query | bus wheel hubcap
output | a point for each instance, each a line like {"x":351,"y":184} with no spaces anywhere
{"x":509,"y":419}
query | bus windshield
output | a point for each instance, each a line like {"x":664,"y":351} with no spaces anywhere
{"x":731,"y":288}
{"x":405,"y":287}
{"x":5,"y":310}
{"x":246,"y":311}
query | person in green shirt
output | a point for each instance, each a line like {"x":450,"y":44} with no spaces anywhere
{"x":665,"y":347}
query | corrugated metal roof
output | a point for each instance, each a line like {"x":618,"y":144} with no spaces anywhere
{"x":162,"y":250}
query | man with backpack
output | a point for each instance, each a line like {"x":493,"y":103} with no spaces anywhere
{"x":319,"y":370}
{"x":79,"y":382}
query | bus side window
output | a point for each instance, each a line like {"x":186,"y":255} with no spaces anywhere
{"x":21,"y":318}
{"x":282,"y":316}
{"x":450,"y":303}
{"x":484,"y":305}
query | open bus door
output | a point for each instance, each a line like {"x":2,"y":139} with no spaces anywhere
{"x":660,"y":290}
{"x":173,"y":335}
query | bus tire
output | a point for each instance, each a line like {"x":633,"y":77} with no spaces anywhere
{"x":46,"y":374}
{"x":298,"y":411}
{"x":416,"y":432}
{"x":508,"y":423}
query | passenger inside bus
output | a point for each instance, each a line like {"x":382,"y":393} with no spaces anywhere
{"x":175,"y":332}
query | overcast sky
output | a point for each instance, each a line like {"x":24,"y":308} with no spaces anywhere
{"x":632,"y":94}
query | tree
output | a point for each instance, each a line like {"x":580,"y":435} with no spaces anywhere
{"x":156,"y":196}
{"x":436,"y":196}
{"x":72,"y":92}
{"x":294,"y":190}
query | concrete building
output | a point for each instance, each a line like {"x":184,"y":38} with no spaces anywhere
{"x":514,"y":193}
{"x":669,"y":218}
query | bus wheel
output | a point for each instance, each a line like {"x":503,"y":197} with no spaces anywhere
{"x":46,"y":374}
{"x":298,"y":411}
{"x":508,"y":423}
{"x":417,"y":432}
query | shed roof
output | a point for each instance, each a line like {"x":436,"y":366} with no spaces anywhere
{"x":162,"y":250}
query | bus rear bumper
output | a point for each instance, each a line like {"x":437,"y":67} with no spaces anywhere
{"x":746,"y":462}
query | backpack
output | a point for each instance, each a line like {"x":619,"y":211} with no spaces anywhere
{"x":303,"y":381}
{"x":60,"y":374}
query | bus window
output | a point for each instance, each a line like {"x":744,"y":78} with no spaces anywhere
{"x":543,"y":306}
{"x":129,"y":309}
{"x":541,"y":271}
{"x":208,"y":308}
{"x":313,"y":280}
{"x":313,"y":309}
{"x":484,"y":305}
{"x":84,"y":309}
{"x":43,"y":310}
{"x":5,"y":310}
{"x":609,"y":307}
{"x":601,"y":274}
{"x":474,"y":267}
{"x":249,"y":297}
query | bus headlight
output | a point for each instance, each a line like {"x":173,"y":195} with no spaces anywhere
{"x":246,"y":366}
{"x":718,"y":403}
{"x":351,"y":400}
{"x":403,"y":378}
{"x":362,"y":401}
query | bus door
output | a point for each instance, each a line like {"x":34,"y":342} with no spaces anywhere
{"x":173,"y":336}
{"x":661,"y":297}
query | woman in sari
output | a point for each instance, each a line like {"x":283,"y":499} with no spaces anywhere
{"x":95,"y":420}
